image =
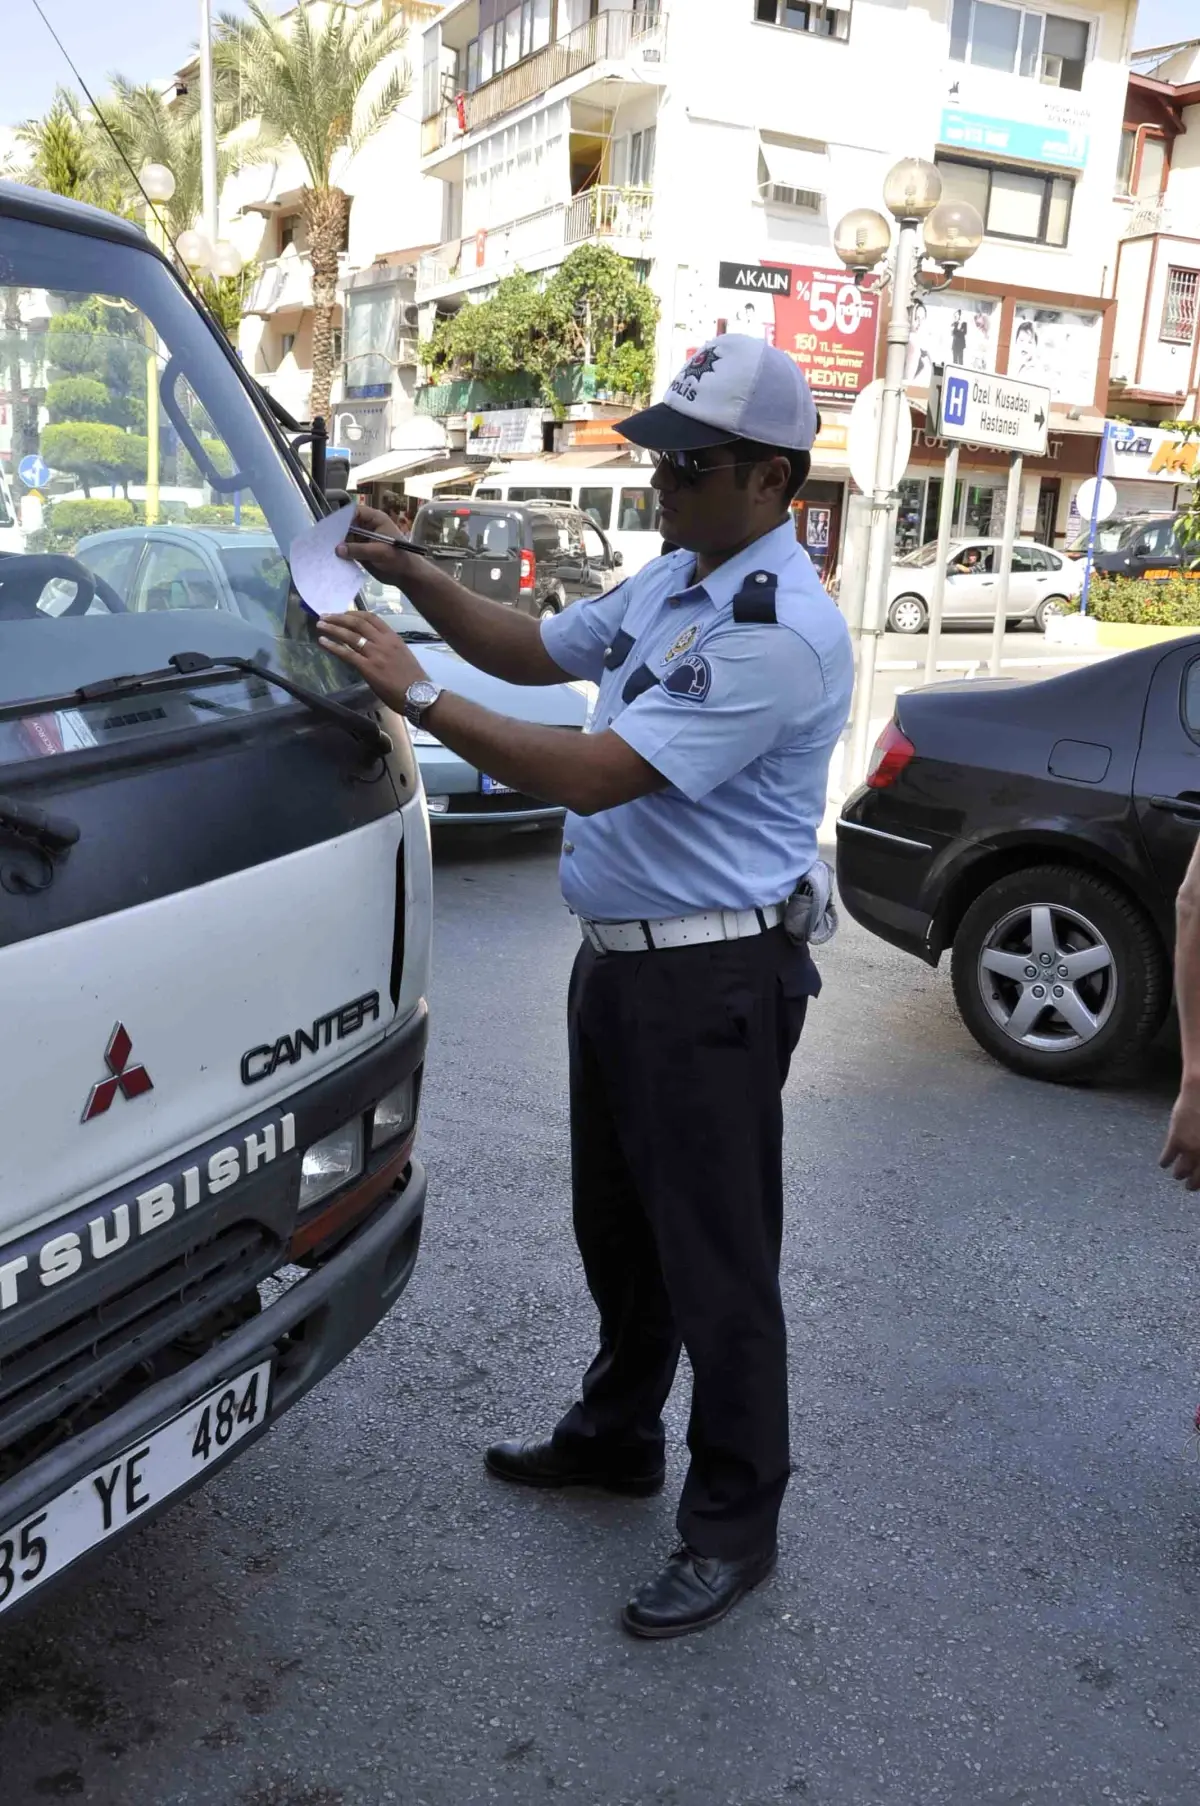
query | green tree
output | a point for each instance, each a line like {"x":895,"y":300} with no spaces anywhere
{"x":97,"y":394}
{"x":95,"y":452}
{"x":65,"y":156}
{"x":593,"y":311}
{"x":305,"y":81}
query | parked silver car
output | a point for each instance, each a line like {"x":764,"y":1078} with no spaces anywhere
{"x":457,"y":794}
{"x":1043,"y":583}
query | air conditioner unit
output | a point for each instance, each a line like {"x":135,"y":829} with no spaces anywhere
{"x":410,"y":315}
{"x":1052,"y":68}
{"x":802,"y":200}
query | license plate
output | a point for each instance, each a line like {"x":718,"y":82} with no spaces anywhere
{"x":142,"y":1475}
{"x":493,"y":787}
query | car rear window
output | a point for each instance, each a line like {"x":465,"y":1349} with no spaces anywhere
{"x":469,"y":530}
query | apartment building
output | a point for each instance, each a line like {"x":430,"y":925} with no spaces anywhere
{"x":716,"y":147}
{"x":1156,"y":351}
{"x":395,"y":215}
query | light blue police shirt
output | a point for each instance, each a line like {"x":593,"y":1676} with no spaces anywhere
{"x":740,"y":717}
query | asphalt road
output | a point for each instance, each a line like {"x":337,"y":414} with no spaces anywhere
{"x":990,"y":1586}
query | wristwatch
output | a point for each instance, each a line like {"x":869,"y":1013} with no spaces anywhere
{"x":417,"y":698}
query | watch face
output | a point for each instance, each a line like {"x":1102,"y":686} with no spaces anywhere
{"x":423,"y":693}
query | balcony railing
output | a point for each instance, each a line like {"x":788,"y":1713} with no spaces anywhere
{"x":610,"y":36}
{"x":606,"y":213}
{"x":609,"y":213}
{"x":576,"y":383}
{"x":286,"y":282}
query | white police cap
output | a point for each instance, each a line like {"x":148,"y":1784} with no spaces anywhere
{"x":734,"y":387}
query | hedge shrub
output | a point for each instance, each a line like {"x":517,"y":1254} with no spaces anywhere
{"x":1172,"y":602}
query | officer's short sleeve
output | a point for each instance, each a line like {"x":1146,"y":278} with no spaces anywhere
{"x":742,"y":692}
{"x":578,"y":638}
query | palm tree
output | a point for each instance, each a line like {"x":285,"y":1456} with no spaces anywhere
{"x":304,"y":81}
{"x":141,"y":130}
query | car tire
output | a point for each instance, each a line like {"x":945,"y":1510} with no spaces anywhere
{"x":548,"y":610}
{"x":1119,"y":993}
{"x":1049,"y":605}
{"x":908,"y":614}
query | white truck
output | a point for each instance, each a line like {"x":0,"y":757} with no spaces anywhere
{"x":215,"y":897}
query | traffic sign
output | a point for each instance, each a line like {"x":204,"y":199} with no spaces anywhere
{"x":863,"y":437}
{"x":994,"y":410}
{"x":34,"y":472}
{"x":1105,"y":503}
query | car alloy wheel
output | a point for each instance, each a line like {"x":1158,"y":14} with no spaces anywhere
{"x":907,"y":615}
{"x":1052,"y":605}
{"x":548,"y":612}
{"x":1048,"y":977}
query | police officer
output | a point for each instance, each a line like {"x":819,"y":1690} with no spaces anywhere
{"x":724,"y":676}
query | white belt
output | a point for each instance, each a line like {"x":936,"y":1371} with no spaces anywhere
{"x":680,"y":931}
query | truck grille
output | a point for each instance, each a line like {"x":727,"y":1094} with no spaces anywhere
{"x":87,"y":1368}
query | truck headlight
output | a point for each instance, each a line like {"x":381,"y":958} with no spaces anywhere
{"x":395,"y":1114}
{"x":330,"y":1162}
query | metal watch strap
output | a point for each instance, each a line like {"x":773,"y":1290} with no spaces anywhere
{"x":415,"y":706}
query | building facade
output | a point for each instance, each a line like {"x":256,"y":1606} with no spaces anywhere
{"x":717,"y":148}
{"x":1156,"y":351}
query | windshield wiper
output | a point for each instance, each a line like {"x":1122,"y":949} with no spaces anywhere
{"x":186,"y":669}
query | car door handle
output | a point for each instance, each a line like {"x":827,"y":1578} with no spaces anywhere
{"x":1186,"y":808}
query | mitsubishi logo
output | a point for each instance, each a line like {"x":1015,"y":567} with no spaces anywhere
{"x":131,"y":1081}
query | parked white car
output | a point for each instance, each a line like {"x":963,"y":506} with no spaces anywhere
{"x":1043,"y":583}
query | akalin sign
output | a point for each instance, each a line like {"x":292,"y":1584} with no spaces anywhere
{"x":816,"y":314}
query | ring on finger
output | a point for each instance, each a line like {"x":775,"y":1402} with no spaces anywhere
{"x":362,"y":642}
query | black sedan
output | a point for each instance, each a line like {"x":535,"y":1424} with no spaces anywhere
{"x":1040,"y":833}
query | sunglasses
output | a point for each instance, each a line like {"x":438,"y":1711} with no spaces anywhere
{"x":685,"y":466}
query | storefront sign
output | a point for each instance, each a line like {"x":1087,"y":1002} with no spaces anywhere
{"x":827,"y":324}
{"x":1150,"y":454}
{"x":759,"y":278}
{"x":1064,"y":146}
{"x":505,"y":433}
{"x":995,"y":410}
{"x":814,"y":313}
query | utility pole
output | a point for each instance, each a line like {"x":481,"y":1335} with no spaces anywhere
{"x":208,"y":126}
{"x":880,"y":548}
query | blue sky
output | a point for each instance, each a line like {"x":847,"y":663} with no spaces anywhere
{"x":146,"y":39}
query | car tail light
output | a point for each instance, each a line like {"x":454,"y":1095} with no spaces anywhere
{"x":528,"y":571}
{"x":893,"y":751}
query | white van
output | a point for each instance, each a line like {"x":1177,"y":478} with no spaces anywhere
{"x":617,"y":497}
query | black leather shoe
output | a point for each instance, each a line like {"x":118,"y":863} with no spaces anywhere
{"x":541,"y":1464}
{"x":693,"y":1591}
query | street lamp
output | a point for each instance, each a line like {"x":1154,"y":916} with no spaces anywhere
{"x":918,"y":260}
{"x":226,"y":260}
{"x":195,"y":250}
{"x":158,"y":185}
{"x":351,"y":434}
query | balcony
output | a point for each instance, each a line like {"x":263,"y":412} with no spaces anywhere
{"x":624,"y":213}
{"x":609,"y":37}
{"x":619,"y":217}
{"x":575,"y":384}
{"x":285,"y":284}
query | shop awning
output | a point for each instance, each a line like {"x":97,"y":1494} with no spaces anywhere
{"x":791,"y":166}
{"x":423,"y":487}
{"x":390,"y":464}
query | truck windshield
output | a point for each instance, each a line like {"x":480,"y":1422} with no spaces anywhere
{"x":154,"y":507}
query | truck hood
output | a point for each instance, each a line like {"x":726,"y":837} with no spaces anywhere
{"x":139,"y":1034}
